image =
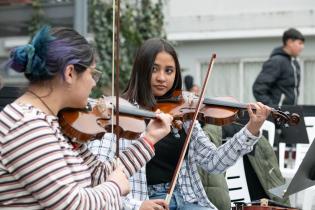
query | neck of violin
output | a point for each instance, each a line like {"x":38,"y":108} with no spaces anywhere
{"x":136,"y":112}
{"x":223,"y":103}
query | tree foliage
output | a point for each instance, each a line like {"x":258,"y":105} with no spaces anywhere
{"x":139,"y":21}
{"x":38,"y":18}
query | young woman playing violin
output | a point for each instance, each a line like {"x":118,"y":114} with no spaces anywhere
{"x":156,"y":75}
{"x":39,"y":167}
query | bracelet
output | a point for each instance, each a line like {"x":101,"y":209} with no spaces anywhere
{"x":149,"y":142}
{"x":75,"y":145}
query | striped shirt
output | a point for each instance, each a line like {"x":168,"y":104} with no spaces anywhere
{"x":39,"y":169}
{"x":202,"y":152}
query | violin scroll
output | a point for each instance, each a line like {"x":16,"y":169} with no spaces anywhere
{"x":285,"y":119}
{"x":294,"y":119}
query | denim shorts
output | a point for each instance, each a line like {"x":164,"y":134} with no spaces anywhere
{"x":159,"y":191}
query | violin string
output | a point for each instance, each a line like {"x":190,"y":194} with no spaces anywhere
{"x":113,"y":61}
{"x":237,"y":123}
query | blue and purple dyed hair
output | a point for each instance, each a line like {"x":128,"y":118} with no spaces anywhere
{"x":49,"y":53}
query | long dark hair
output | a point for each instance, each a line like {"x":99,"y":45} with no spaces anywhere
{"x":139,"y":86}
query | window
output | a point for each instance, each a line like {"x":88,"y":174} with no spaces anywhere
{"x":224,"y":80}
{"x":16,"y":16}
{"x":308,"y":82}
{"x":236,"y":79}
{"x":251,"y":71}
{"x":233,"y":78}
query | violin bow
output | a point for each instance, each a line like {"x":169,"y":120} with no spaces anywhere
{"x":115,"y":66}
{"x":187,"y":140}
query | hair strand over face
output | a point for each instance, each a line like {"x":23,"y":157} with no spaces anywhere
{"x":139,"y":86}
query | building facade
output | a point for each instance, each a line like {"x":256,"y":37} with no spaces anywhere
{"x":242,"y":34}
{"x":16,"y":18}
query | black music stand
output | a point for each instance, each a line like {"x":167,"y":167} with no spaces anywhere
{"x":303,"y":178}
{"x":293,"y":134}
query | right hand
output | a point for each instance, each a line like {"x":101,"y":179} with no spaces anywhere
{"x":159,"y":128}
{"x":257,"y":118}
{"x":155,"y":204}
{"x":119,"y":177}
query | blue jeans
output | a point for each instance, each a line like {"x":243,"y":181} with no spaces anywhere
{"x":177,"y":200}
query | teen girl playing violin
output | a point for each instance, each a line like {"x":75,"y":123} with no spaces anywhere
{"x":156,"y":74}
{"x":39,"y":167}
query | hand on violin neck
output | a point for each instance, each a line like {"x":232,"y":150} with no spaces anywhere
{"x":177,"y":124}
{"x":257,"y":117}
{"x":158,"y":128}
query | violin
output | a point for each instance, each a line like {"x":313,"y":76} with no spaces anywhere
{"x":218,"y":111}
{"x":94,"y":121}
{"x":258,"y":207}
{"x":262,"y":204}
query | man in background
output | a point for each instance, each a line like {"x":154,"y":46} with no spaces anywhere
{"x":1,"y":82}
{"x":190,"y":85}
{"x":279,"y":80}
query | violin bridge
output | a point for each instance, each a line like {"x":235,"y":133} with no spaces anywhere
{"x":264,"y":202}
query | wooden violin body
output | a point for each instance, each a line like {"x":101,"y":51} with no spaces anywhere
{"x":184,"y":111}
{"x":95,"y":121}
{"x":255,"y":207}
{"x":262,"y":204}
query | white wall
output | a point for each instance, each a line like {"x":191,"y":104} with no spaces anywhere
{"x":180,"y":8}
{"x":193,"y":52}
{"x":209,"y":19}
{"x":241,"y":31}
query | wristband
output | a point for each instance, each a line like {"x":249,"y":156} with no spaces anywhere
{"x":149,"y":142}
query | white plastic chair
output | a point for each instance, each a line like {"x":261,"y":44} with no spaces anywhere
{"x":286,"y":172}
{"x":301,"y":150}
{"x":271,"y":129}
{"x":235,"y":175}
{"x":236,"y":182}
{"x":309,"y":192}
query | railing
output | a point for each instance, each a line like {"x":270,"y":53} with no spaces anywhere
{"x":43,"y":2}
{"x":15,"y":16}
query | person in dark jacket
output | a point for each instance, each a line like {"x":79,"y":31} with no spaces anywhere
{"x":190,"y":86}
{"x":279,"y":80}
{"x":1,"y":82}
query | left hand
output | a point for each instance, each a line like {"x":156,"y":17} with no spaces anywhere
{"x":257,"y":118}
{"x":158,"y":128}
{"x":154,"y":204}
